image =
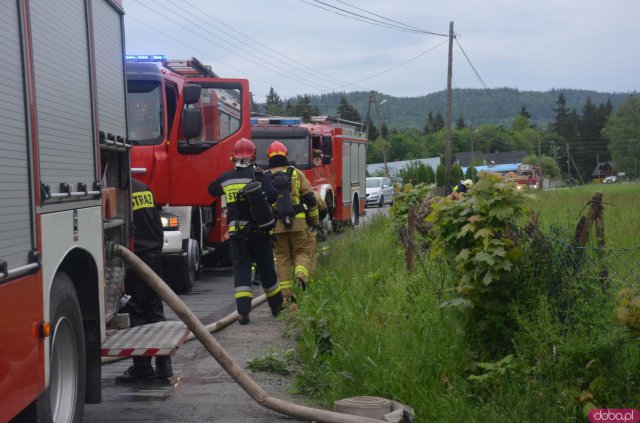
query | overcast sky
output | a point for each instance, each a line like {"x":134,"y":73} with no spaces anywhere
{"x":299,"y":48}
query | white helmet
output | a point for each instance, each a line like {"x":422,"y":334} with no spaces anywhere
{"x":467,"y":183}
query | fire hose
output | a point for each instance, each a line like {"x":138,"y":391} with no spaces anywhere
{"x":221,"y":356}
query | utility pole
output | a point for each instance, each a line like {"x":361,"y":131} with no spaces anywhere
{"x":569,"y":167}
{"x":540,"y":174}
{"x":372,"y":99}
{"x":447,"y":151}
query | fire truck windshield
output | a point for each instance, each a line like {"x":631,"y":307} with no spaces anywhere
{"x":144,"y":110}
{"x":297,"y":148}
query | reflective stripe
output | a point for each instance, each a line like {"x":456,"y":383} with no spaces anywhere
{"x":243,"y":288}
{"x":300,"y":268}
{"x":286,"y":284}
{"x":244,"y":294}
{"x":270,"y":294}
{"x":313,"y":212}
{"x":300,"y":215}
{"x":236,"y":225}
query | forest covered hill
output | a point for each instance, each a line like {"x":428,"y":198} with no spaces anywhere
{"x":476,"y":106}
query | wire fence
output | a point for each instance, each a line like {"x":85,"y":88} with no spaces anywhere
{"x":607,"y":268}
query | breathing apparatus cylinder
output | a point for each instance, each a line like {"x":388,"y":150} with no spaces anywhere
{"x":282,"y":183}
{"x":259,"y":205}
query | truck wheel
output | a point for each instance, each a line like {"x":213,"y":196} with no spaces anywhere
{"x":355,"y":212}
{"x":63,"y":401}
{"x":178,"y":273}
{"x":194,"y":257}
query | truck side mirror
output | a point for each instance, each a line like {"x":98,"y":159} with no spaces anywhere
{"x":191,"y":93}
{"x":191,"y":123}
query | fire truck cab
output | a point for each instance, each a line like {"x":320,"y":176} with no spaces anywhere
{"x":184,"y":121}
{"x":332,"y":154}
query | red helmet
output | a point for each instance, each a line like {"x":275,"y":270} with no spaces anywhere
{"x":244,"y":149}
{"x":277,"y":149}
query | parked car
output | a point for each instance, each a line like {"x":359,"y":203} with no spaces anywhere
{"x":610,"y":180}
{"x":379,"y":191}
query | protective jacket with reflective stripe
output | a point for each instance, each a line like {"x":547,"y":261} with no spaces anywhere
{"x":229,"y":184}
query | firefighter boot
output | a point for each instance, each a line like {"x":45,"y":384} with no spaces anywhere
{"x":163,"y":367}
{"x":243,"y":318}
{"x":141,"y":371}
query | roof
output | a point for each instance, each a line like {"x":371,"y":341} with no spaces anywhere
{"x":508,"y":167}
{"x":464,"y":158}
{"x":395,"y":167}
{"x":603,"y":169}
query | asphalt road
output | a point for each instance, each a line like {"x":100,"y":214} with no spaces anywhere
{"x":201,"y":391}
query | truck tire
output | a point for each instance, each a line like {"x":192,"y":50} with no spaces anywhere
{"x":63,"y":401}
{"x":194,"y":258}
{"x":178,"y":274}
{"x":355,"y":212}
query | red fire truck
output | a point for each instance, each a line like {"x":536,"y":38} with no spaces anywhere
{"x":178,"y":166}
{"x":332,"y":154}
{"x":527,"y":176}
{"x":64,"y":198}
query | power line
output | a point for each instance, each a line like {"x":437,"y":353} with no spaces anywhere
{"x":471,"y":64}
{"x":207,"y":55}
{"x":322,"y":75}
{"x":398,"y":65}
{"x":413,"y":29}
{"x":271,"y":67}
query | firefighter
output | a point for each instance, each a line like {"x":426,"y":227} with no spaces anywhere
{"x":461,"y":189}
{"x":314,"y":232}
{"x":145,"y":306}
{"x":249,"y":227}
{"x":295,"y":201}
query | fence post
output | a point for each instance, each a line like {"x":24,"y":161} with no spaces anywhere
{"x":411,"y":221}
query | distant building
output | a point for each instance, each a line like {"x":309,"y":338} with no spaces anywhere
{"x":603,"y":169}
{"x":466,"y":158}
{"x":395,"y":167}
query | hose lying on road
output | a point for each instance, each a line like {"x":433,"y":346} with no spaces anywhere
{"x":215,"y":349}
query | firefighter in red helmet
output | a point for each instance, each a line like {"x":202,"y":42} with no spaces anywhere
{"x":295,"y":202}
{"x":248,"y":195}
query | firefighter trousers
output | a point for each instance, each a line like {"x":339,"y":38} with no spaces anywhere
{"x":293,"y":258}
{"x":145,"y":306}
{"x":254,"y":247}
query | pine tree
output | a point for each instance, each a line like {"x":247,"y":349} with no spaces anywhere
{"x":460,"y":123}
{"x":429,"y":124}
{"x":347,"y":111}
{"x":524,"y":112}
{"x":439,"y":123}
{"x":273,"y":103}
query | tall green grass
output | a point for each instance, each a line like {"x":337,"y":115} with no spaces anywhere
{"x":621,"y":210}
{"x":366,"y":327}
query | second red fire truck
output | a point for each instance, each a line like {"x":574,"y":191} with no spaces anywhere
{"x":332,"y":153}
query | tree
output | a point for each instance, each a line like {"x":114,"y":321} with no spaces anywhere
{"x":549,"y":167}
{"x":525,"y":113}
{"x":460,"y":123}
{"x":304,"y":109}
{"x":429,"y":124}
{"x":623,"y":133}
{"x":440,"y":175}
{"x":456,"y":174}
{"x":274,"y":105}
{"x":373,"y":130}
{"x":520,"y":123}
{"x":347,"y":111}
{"x":384,"y":130}
{"x":439,"y":123}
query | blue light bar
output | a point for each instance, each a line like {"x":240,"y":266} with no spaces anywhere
{"x":257,"y":121}
{"x":144,"y":57}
